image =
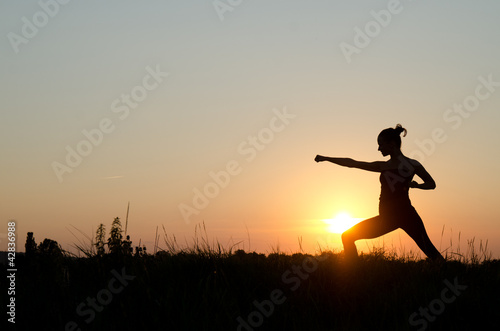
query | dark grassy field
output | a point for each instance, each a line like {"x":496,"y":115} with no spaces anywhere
{"x":211,"y":289}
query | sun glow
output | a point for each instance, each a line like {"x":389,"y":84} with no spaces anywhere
{"x":341,"y":222}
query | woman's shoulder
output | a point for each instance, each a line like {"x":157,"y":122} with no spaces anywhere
{"x":414,"y":163}
{"x":401,"y":163}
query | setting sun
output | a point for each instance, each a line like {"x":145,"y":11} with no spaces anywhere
{"x":341,"y":222}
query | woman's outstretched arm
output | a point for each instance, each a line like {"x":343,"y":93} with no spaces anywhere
{"x":346,"y":162}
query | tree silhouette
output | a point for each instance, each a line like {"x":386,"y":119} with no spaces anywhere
{"x":100,"y":239}
{"x":115,"y":243}
{"x":30,"y":245}
{"x":50,"y":247}
{"x":127,"y":246}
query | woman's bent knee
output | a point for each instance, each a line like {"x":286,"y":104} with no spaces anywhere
{"x":346,"y":237}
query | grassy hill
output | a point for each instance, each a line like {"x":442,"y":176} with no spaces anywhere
{"x":211,"y":289}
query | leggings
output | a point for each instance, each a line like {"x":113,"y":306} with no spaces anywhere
{"x":394,"y":215}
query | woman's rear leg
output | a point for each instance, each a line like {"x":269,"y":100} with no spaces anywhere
{"x":416,"y":230}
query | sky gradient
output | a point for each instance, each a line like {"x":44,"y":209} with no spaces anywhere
{"x":213,"y":111}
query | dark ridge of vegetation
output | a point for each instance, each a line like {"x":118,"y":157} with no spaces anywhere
{"x":206,"y":287}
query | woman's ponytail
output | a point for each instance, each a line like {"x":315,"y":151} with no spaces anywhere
{"x":399,"y":128}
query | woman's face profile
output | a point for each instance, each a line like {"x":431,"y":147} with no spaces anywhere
{"x":384,"y":146}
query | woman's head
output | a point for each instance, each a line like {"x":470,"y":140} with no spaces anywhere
{"x":390,"y":139}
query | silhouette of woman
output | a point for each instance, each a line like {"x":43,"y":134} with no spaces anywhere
{"x":395,"y":208}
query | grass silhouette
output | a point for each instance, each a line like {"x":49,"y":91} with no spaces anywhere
{"x":206,"y":286}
